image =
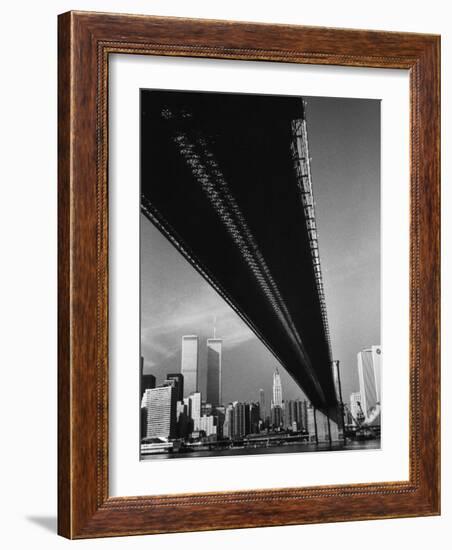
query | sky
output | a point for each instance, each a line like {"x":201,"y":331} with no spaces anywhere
{"x":344,"y":141}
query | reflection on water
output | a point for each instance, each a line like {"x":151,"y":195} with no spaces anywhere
{"x":297,"y":448}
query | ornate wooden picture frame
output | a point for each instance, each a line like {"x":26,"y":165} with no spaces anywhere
{"x":86,"y":40}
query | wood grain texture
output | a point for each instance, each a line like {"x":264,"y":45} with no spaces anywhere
{"x":85,"y":42}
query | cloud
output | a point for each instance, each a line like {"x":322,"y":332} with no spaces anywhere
{"x":161,"y":334}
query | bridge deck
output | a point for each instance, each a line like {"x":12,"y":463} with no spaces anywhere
{"x":218,"y":178}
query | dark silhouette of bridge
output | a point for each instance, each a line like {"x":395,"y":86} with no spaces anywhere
{"x":227,"y":179}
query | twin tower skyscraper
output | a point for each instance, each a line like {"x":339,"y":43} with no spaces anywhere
{"x":190,"y":367}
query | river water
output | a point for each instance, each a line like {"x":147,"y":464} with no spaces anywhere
{"x":281,"y":449}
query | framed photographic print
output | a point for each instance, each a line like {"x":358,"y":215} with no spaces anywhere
{"x":248,"y":275}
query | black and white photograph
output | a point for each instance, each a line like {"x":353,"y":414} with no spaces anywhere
{"x":260,"y":257}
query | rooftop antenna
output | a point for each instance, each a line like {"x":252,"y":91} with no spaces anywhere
{"x":215,"y":326}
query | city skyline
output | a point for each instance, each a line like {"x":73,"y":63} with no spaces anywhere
{"x":173,"y":423}
{"x":368,"y":368}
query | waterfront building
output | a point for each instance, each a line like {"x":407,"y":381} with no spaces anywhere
{"x":179,"y":380}
{"x":207,"y":409}
{"x":254,"y":416}
{"x":311,"y":424}
{"x":194,"y":409}
{"x":277,"y":389}
{"x":276,"y":417}
{"x":355,"y":410}
{"x":239,"y":423}
{"x":161,"y":404}
{"x":348,"y":417}
{"x":262,"y":409}
{"x":143,"y":422}
{"x":290,"y":414}
{"x":147,"y":381}
{"x":189,"y":364}
{"x":180,"y":409}
{"x":228,"y":424}
{"x":220,"y":417}
{"x":184,"y":422}
{"x":247,"y":418}
{"x":208,"y":425}
{"x":304,"y":415}
{"x":295,"y":414}
{"x":214,"y":350}
{"x":369,"y":378}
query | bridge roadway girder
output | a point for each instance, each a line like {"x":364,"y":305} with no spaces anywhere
{"x":218,"y":179}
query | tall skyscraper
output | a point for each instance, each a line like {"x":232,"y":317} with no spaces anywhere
{"x":277,"y":389}
{"x":369,"y":378}
{"x":355,"y":402}
{"x":228,"y":424}
{"x":276,"y":417}
{"x":184,"y":422}
{"x":254,"y":418}
{"x":214,"y":346}
{"x":189,"y":364}
{"x":262,"y":410}
{"x":179,"y":384}
{"x":239,"y":422}
{"x":194,"y":409}
{"x":161,"y":404}
{"x":143,"y":422}
{"x":293,"y":413}
{"x":147,"y":381}
{"x":304,"y":415}
{"x":311,"y":422}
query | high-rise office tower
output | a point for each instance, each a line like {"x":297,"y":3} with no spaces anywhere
{"x":161,"y":404}
{"x":292,"y":414}
{"x":247,"y":418}
{"x":277,"y":389}
{"x":348,"y":418}
{"x":228,"y":424}
{"x":262,"y":410}
{"x":179,"y":384}
{"x":184,"y":422}
{"x":304,"y":415}
{"x":220,"y":416}
{"x":299,"y":414}
{"x":355,"y":403}
{"x":143,"y":422}
{"x":369,"y":378}
{"x":276,"y":417}
{"x":254,"y":418}
{"x":311,"y":422}
{"x":208,"y":424}
{"x":189,"y":364}
{"x":147,"y":381}
{"x":214,"y":346}
{"x":194,"y":409}
{"x":239,"y":422}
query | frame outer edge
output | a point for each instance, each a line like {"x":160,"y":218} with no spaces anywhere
{"x":432,"y":178}
{"x":82,"y":511}
{"x":64,"y":292}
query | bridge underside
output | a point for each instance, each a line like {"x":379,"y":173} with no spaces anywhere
{"x":218,"y":179}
